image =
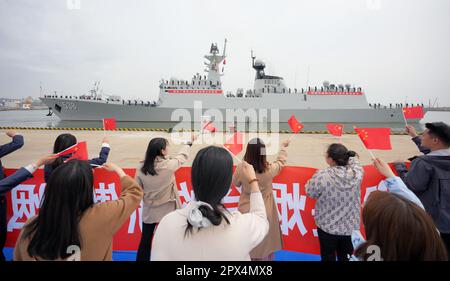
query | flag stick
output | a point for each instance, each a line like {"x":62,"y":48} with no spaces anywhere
{"x":104,"y":131}
{"x":61,"y":152}
{"x":404,"y":118}
{"x":291,"y":137}
{"x":371,"y":154}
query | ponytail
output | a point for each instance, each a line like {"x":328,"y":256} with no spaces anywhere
{"x":351,"y":153}
{"x":214,"y":215}
{"x":211,"y":175}
{"x":340,"y":154}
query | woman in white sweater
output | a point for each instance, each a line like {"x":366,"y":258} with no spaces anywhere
{"x":205,"y":229}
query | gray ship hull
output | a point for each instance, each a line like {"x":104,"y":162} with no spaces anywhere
{"x":88,"y":110}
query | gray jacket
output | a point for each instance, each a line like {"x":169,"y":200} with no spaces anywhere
{"x":429,"y":178}
{"x":338,"y":193}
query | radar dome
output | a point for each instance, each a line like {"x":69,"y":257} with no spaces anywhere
{"x":259,"y":63}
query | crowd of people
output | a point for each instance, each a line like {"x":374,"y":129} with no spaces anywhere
{"x":409,"y":221}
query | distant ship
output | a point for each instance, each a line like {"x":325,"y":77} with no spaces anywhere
{"x":327,"y":103}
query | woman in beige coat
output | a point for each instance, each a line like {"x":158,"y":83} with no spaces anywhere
{"x":69,"y":225}
{"x":156,"y":175}
{"x":265,"y":172}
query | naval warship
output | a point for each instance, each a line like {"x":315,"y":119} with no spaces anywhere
{"x":203,"y":95}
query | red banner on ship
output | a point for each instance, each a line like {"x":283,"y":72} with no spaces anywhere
{"x":322,"y":93}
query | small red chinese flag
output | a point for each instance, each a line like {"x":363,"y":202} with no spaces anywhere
{"x":413,"y":112}
{"x":296,"y":126}
{"x":77,"y":151}
{"x":109,"y":124}
{"x":235,"y":143}
{"x":335,"y":129}
{"x":209,"y":127}
{"x":375,"y":138}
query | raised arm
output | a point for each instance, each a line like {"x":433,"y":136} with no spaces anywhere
{"x":23,"y":174}
{"x":280,"y":162}
{"x":15,"y":179}
{"x":176,"y":161}
{"x":116,"y":212}
{"x":395,"y":184}
{"x":417,"y":139}
{"x":255,"y":221}
{"x":236,"y":180}
{"x":104,"y":153}
{"x":16,"y":143}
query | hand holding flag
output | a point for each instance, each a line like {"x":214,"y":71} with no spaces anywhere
{"x":77,"y":151}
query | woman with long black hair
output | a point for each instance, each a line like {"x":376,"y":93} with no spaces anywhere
{"x":69,"y":219}
{"x":205,"y":229}
{"x":156,"y":175}
{"x":64,"y":141}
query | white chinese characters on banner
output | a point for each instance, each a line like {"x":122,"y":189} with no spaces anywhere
{"x":25,"y":203}
{"x":290,"y":202}
{"x":286,"y":202}
{"x":133,"y":221}
{"x":103,"y":194}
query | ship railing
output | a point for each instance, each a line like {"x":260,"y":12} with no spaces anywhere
{"x":333,"y":88}
{"x":107,"y":100}
{"x":394,"y":105}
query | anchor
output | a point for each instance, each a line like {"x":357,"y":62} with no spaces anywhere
{"x":50,"y":112}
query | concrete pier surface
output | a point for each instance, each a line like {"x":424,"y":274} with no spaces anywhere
{"x":128,"y":148}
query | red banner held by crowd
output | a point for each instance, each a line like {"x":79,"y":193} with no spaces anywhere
{"x":295,"y":209}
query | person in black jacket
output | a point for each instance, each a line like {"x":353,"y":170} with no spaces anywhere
{"x":16,"y":143}
{"x":429,"y":175}
{"x":65,"y":141}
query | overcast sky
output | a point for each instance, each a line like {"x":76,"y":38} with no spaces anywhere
{"x":395,"y":50}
